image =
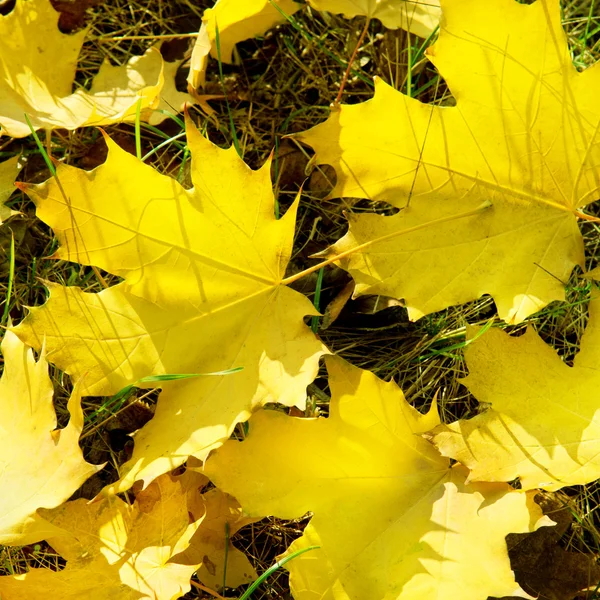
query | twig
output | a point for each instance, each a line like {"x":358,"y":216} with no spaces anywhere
{"x":352,"y":58}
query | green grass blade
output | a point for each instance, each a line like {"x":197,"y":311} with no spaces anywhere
{"x":274,"y":568}
{"x":301,"y":30}
{"x":586,"y":35}
{"x":314,"y":321}
{"x":234,"y":137}
{"x":171,"y":116}
{"x":41,"y":148}
{"x":161,"y":145}
{"x":176,"y":376}
{"x":11,"y":277}
{"x":122,"y":394}
{"x":186,"y":156}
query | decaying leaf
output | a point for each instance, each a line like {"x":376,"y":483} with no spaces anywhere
{"x":544,"y":568}
{"x":420,"y":18}
{"x":211,"y":547}
{"x":239,"y":20}
{"x":37,"y":70}
{"x":543,"y":425}
{"x":9,"y":170}
{"x":391,"y":517}
{"x":199,"y":60}
{"x":490,"y":188}
{"x":202,"y":292}
{"x":40,"y":466}
{"x":115,"y":550}
{"x":335,"y":307}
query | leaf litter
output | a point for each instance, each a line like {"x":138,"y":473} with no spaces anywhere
{"x":433,"y":336}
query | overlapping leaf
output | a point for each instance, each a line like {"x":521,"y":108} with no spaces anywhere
{"x":522,"y":140}
{"x":40,"y":466}
{"x":9,"y":170}
{"x":239,"y":20}
{"x":210,"y":547}
{"x":37,"y":70}
{"x":202,"y":292}
{"x":115,"y":550}
{"x":543,"y":425}
{"x":391,"y":517}
{"x":235,"y":21}
{"x":420,"y":18}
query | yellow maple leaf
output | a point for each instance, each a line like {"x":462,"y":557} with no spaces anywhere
{"x":391,"y":517}
{"x":239,"y":20}
{"x":420,"y":18}
{"x":115,"y":550}
{"x":543,"y":425}
{"x":523,"y":140}
{"x":9,"y":170}
{"x":37,"y":70}
{"x":40,"y":466}
{"x":202,"y":292}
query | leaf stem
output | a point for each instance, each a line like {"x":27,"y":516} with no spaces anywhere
{"x":226,"y":557}
{"x":138,"y":135}
{"x":484,"y":206}
{"x":585,"y":217}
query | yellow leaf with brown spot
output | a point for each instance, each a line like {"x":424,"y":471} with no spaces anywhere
{"x":211,"y":547}
{"x":115,"y":550}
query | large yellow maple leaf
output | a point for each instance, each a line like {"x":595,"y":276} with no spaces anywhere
{"x":543,"y":425}
{"x":202,"y":292}
{"x":40,"y":466}
{"x":115,"y":550}
{"x":37,"y":70}
{"x":490,"y":188}
{"x":391,"y":517}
